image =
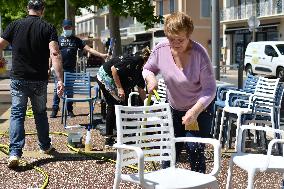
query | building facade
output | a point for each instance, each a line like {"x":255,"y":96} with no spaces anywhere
{"x":266,"y":24}
{"x":95,"y":27}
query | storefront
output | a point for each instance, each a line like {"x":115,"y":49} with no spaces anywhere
{"x":239,"y":38}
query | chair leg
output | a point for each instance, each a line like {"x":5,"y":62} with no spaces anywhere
{"x":91,"y":114}
{"x":62,"y":112}
{"x":216,"y":123}
{"x":221,"y":125}
{"x":229,"y":177}
{"x":250,"y":179}
{"x":237,"y":130}
{"x":228,"y":133}
{"x":65,"y":114}
{"x":214,"y":185}
{"x":116,"y":182}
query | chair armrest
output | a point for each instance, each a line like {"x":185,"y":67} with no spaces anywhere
{"x":129,"y":103}
{"x":217,"y":150}
{"x":232,"y":93}
{"x":223,"y":89}
{"x":257,"y":128}
{"x":270,"y":145}
{"x":140,"y":156}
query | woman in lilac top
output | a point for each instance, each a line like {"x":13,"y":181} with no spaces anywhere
{"x":190,"y":81}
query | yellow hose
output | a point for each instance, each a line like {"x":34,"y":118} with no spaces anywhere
{"x":5,"y":149}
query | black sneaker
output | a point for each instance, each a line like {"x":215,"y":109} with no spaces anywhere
{"x":110,"y":141}
{"x":53,"y":114}
{"x":71,"y":114}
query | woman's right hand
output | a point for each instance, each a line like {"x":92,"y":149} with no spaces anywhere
{"x":152,"y":84}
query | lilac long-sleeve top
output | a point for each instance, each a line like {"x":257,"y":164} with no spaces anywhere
{"x":195,"y":83}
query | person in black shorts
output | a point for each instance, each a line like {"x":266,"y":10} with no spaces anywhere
{"x":33,"y":41}
{"x":116,"y":78}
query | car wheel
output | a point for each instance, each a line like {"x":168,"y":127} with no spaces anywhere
{"x":280,"y":73}
{"x":249,"y":70}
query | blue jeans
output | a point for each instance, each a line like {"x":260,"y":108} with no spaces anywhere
{"x":56,"y":99}
{"x":21,"y":90}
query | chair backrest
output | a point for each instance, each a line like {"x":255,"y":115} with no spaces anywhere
{"x":162,"y":89}
{"x":77,"y":83}
{"x":250,"y":83}
{"x":136,"y":127}
{"x":266,"y":86}
{"x":266,"y":94}
{"x":249,"y":87}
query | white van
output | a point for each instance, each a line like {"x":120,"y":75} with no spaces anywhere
{"x":266,"y":58}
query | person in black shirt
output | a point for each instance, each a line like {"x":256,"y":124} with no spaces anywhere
{"x":33,"y":41}
{"x":116,"y":78}
{"x":68,"y":45}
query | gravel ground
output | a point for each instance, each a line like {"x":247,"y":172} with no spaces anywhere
{"x":81,"y":171}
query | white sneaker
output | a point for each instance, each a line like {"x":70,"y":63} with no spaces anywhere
{"x":50,"y":149}
{"x":13,"y":161}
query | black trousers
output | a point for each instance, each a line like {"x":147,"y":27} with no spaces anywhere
{"x":195,"y":151}
{"x":110,"y":111}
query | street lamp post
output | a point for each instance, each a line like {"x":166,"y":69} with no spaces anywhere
{"x":215,"y":38}
{"x":66,"y":9}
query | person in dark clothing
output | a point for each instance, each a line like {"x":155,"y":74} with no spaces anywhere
{"x":68,"y":45}
{"x":33,"y":41}
{"x":116,"y":78}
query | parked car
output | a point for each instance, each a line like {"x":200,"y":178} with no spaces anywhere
{"x":94,"y":61}
{"x":266,"y":58}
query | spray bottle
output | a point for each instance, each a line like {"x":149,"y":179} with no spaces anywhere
{"x":88,"y":145}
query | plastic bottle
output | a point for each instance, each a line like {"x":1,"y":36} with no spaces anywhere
{"x":88,"y":145}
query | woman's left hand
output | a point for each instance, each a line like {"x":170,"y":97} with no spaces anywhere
{"x":121,"y":93}
{"x":189,"y":117}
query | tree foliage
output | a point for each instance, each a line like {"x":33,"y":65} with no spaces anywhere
{"x":141,"y":9}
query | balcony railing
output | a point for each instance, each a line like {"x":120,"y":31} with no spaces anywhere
{"x":262,"y":9}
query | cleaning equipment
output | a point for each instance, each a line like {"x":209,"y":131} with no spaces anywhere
{"x":75,"y":135}
{"x":192,"y":127}
{"x":29,"y":112}
{"x":5,"y":149}
{"x":88,"y":144}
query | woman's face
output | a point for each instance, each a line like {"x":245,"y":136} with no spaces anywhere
{"x":179,"y":42}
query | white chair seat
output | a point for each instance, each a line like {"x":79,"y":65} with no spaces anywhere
{"x":175,"y":178}
{"x":255,"y":161}
{"x":237,"y":110}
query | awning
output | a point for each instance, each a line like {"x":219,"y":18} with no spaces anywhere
{"x":264,"y":27}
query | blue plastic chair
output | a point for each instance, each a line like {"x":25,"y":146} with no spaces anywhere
{"x":219,"y":104}
{"x":78,"y":84}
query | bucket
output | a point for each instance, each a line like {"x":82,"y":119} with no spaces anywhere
{"x":75,"y":135}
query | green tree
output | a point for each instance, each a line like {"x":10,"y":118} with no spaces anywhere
{"x":142,"y":10}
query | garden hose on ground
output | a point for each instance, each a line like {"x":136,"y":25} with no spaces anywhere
{"x":5,"y":149}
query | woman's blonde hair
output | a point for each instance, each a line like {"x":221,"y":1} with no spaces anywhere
{"x":178,"y":22}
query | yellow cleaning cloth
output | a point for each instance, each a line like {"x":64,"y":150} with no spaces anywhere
{"x":192,"y":127}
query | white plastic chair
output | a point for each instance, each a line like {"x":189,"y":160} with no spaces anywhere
{"x":253,"y":163}
{"x":161,"y":93}
{"x":140,"y":141}
{"x":264,"y":95}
